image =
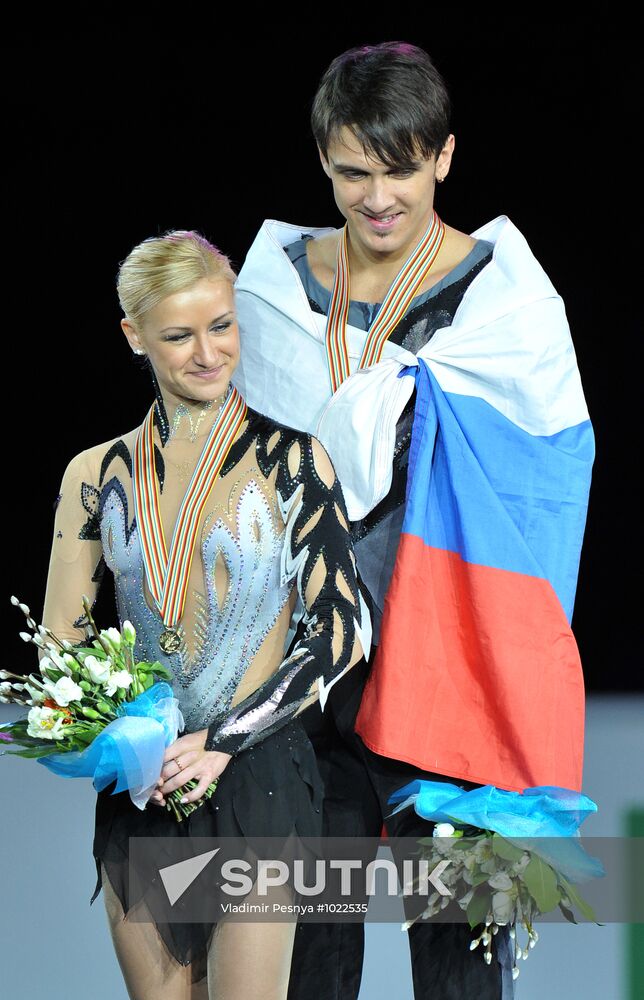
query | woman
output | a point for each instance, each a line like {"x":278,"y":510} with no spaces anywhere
{"x":260,"y":562}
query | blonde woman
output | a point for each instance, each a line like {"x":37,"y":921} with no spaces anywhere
{"x":251,"y":600}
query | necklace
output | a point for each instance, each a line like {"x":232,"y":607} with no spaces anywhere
{"x":193,"y":418}
{"x":167,"y":571}
{"x":393,"y":308}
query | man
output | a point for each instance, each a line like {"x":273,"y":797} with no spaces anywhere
{"x":437,"y":369}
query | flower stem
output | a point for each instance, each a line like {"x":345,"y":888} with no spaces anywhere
{"x":184,"y":809}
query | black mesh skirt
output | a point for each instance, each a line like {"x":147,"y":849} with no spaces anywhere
{"x":271,"y":790}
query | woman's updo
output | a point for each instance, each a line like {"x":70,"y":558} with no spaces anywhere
{"x":163,"y":265}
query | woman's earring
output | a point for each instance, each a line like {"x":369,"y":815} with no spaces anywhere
{"x":137,"y":350}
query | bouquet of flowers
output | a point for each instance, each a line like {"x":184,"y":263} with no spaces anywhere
{"x":95,"y":712}
{"x":498,"y":874}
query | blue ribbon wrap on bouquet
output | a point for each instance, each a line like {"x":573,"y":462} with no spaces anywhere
{"x":130,"y":749}
{"x":542,"y":812}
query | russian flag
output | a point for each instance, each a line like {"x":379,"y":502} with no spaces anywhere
{"x":477,"y":675}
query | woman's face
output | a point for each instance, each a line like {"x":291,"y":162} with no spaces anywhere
{"x":191,"y":339}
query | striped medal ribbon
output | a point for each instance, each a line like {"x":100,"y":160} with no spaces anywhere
{"x":167,"y":573}
{"x":394,"y":305}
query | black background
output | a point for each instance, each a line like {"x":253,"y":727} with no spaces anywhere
{"x":117,"y":132}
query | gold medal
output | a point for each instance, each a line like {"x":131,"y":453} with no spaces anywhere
{"x":394,"y":305}
{"x":170,"y":641}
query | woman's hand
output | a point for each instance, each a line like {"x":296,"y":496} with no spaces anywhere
{"x":185,"y":759}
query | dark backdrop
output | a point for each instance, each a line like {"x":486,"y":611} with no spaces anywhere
{"x":116,"y":134}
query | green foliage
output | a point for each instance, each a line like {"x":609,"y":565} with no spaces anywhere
{"x":541,"y":882}
{"x":478,"y":878}
{"x":458,"y":844}
{"x":83,"y":737}
{"x":478,"y":907}
{"x":33,"y":752}
{"x":162,"y":673}
{"x":584,"y":908}
{"x":504,"y":849}
{"x":568,"y":914}
{"x":95,"y":650}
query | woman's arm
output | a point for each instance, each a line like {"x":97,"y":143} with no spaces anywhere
{"x":318,"y":554}
{"x":76,"y":552}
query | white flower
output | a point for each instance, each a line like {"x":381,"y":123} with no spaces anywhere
{"x":112,"y":636}
{"x":502,"y":908}
{"x":45,"y":665}
{"x":464,"y":901}
{"x":433,"y":906}
{"x":452,"y":874}
{"x":500,"y":881}
{"x":53,"y":662}
{"x":470,"y":861}
{"x":36,"y":694}
{"x":46,"y":723}
{"x":443,"y":830}
{"x":59,"y":662}
{"x":119,"y":679}
{"x":482,"y":849}
{"x":444,"y":846}
{"x":129,"y":633}
{"x":520,"y":866}
{"x":63,"y":691}
{"x":5,"y":688}
{"x":98,"y":670}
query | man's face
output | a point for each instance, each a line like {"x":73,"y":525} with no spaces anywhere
{"x":387,"y":208}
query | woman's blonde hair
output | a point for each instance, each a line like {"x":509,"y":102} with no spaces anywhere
{"x":163,"y":265}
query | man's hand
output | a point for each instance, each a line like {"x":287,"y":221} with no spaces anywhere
{"x":186,"y":759}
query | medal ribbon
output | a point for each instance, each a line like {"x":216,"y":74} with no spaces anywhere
{"x":167,"y":574}
{"x":394,"y":305}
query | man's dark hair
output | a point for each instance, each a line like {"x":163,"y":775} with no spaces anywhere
{"x":391,"y":96}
